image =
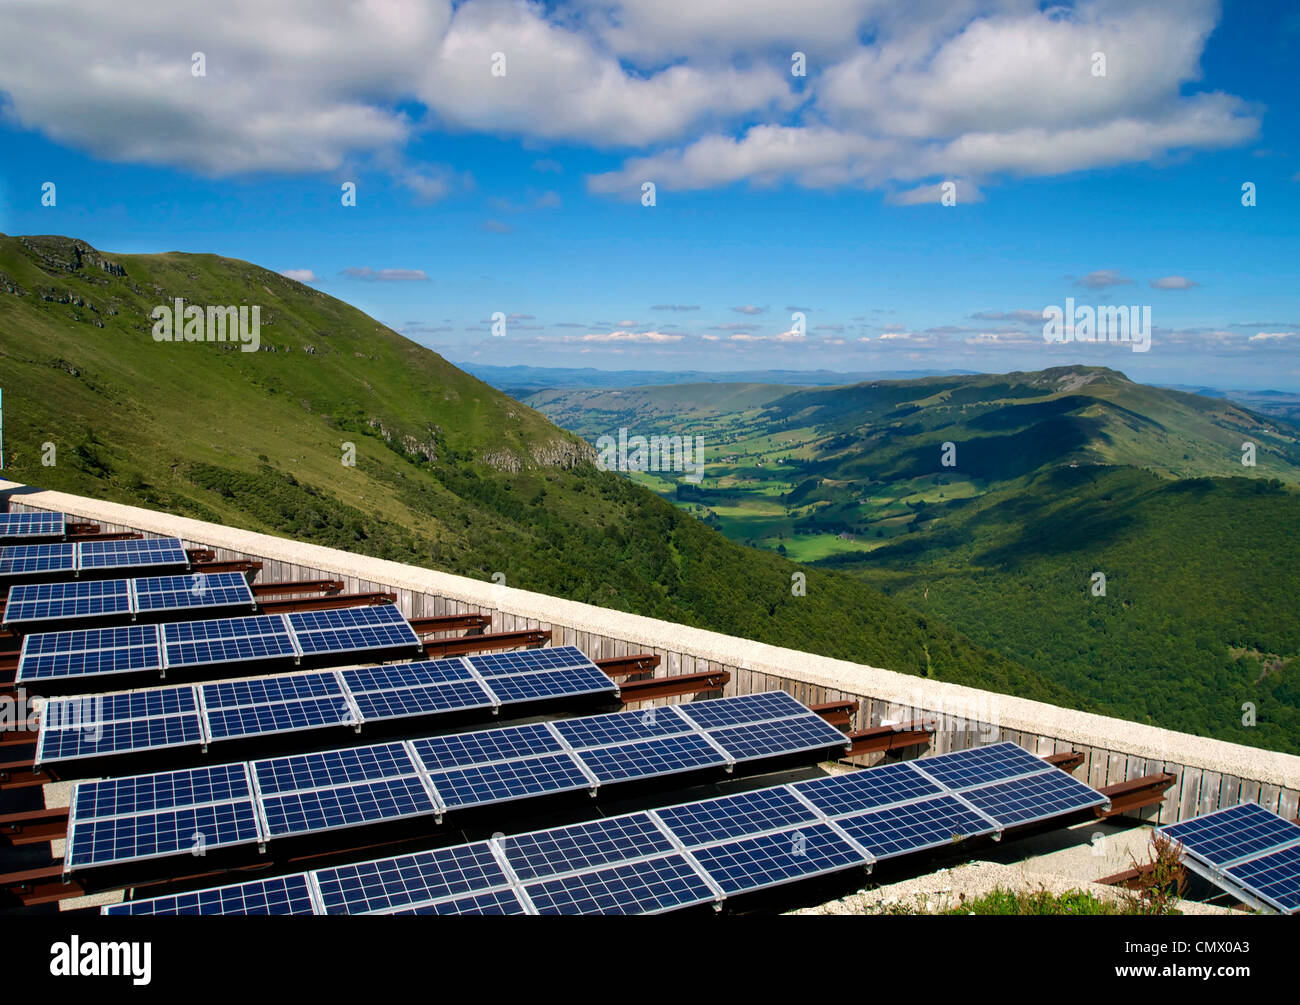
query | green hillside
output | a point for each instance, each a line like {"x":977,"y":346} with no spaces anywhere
{"x":449,"y":473}
{"x":1056,"y":475}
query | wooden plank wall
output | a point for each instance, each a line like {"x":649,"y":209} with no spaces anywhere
{"x":1193,"y":793}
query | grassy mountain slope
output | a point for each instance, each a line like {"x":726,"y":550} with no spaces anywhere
{"x":449,"y":473}
{"x":1058,"y":475}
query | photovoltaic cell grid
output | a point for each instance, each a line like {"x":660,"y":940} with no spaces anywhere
{"x":197,"y":590}
{"x":20,"y":525}
{"x":133,"y":553}
{"x":226,"y":640}
{"x":31,"y":602}
{"x":52,"y":655}
{"x":37,"y":559}
{"x":151,"y":816}
{"x":284,"y":703}
{"x":670,"y":858}
{"x":1245,"y":848}
{"x":73,"y":728}
{"x":352,"y":629}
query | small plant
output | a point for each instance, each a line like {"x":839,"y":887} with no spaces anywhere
{"x":1160,"y":883}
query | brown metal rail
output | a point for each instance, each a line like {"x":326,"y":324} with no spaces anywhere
{"x":838,"y":713}
{"x":1067,"y":760}
{"x":235,"y":565}
{"x":439,"y":648}
{"x":626,"y":666}
{"x":672,"y":686}
{"x":297,"y":586}
{"x":879,"y":739}
{"x":40,"y":886}
{"x":290,"y":604}
{"x":449,"y":623}
{"x":72,"y":528}
{"x":1136,"y":793}
{"x":19,"y":775}
{"x":33,"y":826}
{"x":111,"y":535}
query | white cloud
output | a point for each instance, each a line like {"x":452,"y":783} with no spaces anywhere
{"x":1104,"y":279}
{"x":1173,"y":283}
{"x":385,"y":275}
{"x":626,"y":336}
{"x":301,"y":275}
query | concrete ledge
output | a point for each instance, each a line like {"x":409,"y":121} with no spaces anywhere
{"x":1008,"y":712}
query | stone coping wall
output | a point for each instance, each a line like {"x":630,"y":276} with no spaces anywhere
{"x":1210,"y":773}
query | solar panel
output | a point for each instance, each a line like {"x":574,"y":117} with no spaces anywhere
{"x":485,"y":784}
{"x":52,"y":655}
{"x":1274,"y":878}
{"x":743,"y":708}
{"x":618,"y":727}
{"x":664,"y":755}
{"x":279,"y":717}
{"x":782,"y":736}
{"x":32,"y":602}
{"x":965,"y":768}
{"x":340,"y":788}
{"x":529,"y":660}
{"x":486,"y":745}
{"x":651,"y":886}
{"x":746,"y":864}
{"x":226,"y":640}
{"x":503,"y":901}
{"x":916,"y":826}
{"x":131,"y":553}
{"x":581,"y":847}
{"x":127,"y":736}
{"x":731,"y":816}
{"x":282,"y":895}
{"x":16,"y":525}
{"x":406,"y":675}
{"x":369,"y":887}
{"x":412,"y":701}
{"x":150,"y":816}
{"x":859,"y":790}
{"x":37,"y":559}
{"x":197,"y":590}
{"x":351,"y":629}
{"x":1026,"y":800}
{"x":1229,"y":835}
{"x":551,"y":684}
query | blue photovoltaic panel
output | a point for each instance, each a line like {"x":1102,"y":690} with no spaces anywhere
{"x":406,"y":675}
{"x":279,"y":717}
{"x":91,"y":651}
{"x":33,"y":602}
{"x":483,"y":784}
{"x":131,"y":553}
{"x":409,"y":879}
{"x":648,"y":887}
{"x":262,"y":690}
{"x":737,"y":709}
{"x":731,"y":816}
{"x":551,"y":684}
{"x":529,"y":660}
{"x":300,"y":772}
{"x":1245,"y":830}
{"x":620,"y":727}
{"x":148,"y":816}
{"x":504,"y":901}
{"x":282,"y":895}
{"x":1274,"y":877}
{"x":982,"y":764}
{"x":65,"y":713}
{"x":350,"y":629}
{"x":14,"y":525}
{"x":860,"y":790}
{"x":582,"y":847}
{"x":410,"y":701}
{"x":175,"y":593}
{"x":1023,"y":800}
{"x":763,"y":739}
{"x":929,"y":823}
{"x":226,"y":640}
{"x":345,"y":806}
{"x":485,"y":745}
{"x":752,"y":863}
{"x":660,"y":756}
{"x":120,"y":737}
{"x":35,"y":559}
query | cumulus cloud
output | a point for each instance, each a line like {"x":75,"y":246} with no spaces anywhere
{"x":386,"y":275}
{"x":301,"y":275}
{"x":1103,"y":279}
{"x":626,"y":336}
{"x":1173,"y":283}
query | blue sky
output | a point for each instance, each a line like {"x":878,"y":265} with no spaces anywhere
{"x":520,"y":194}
